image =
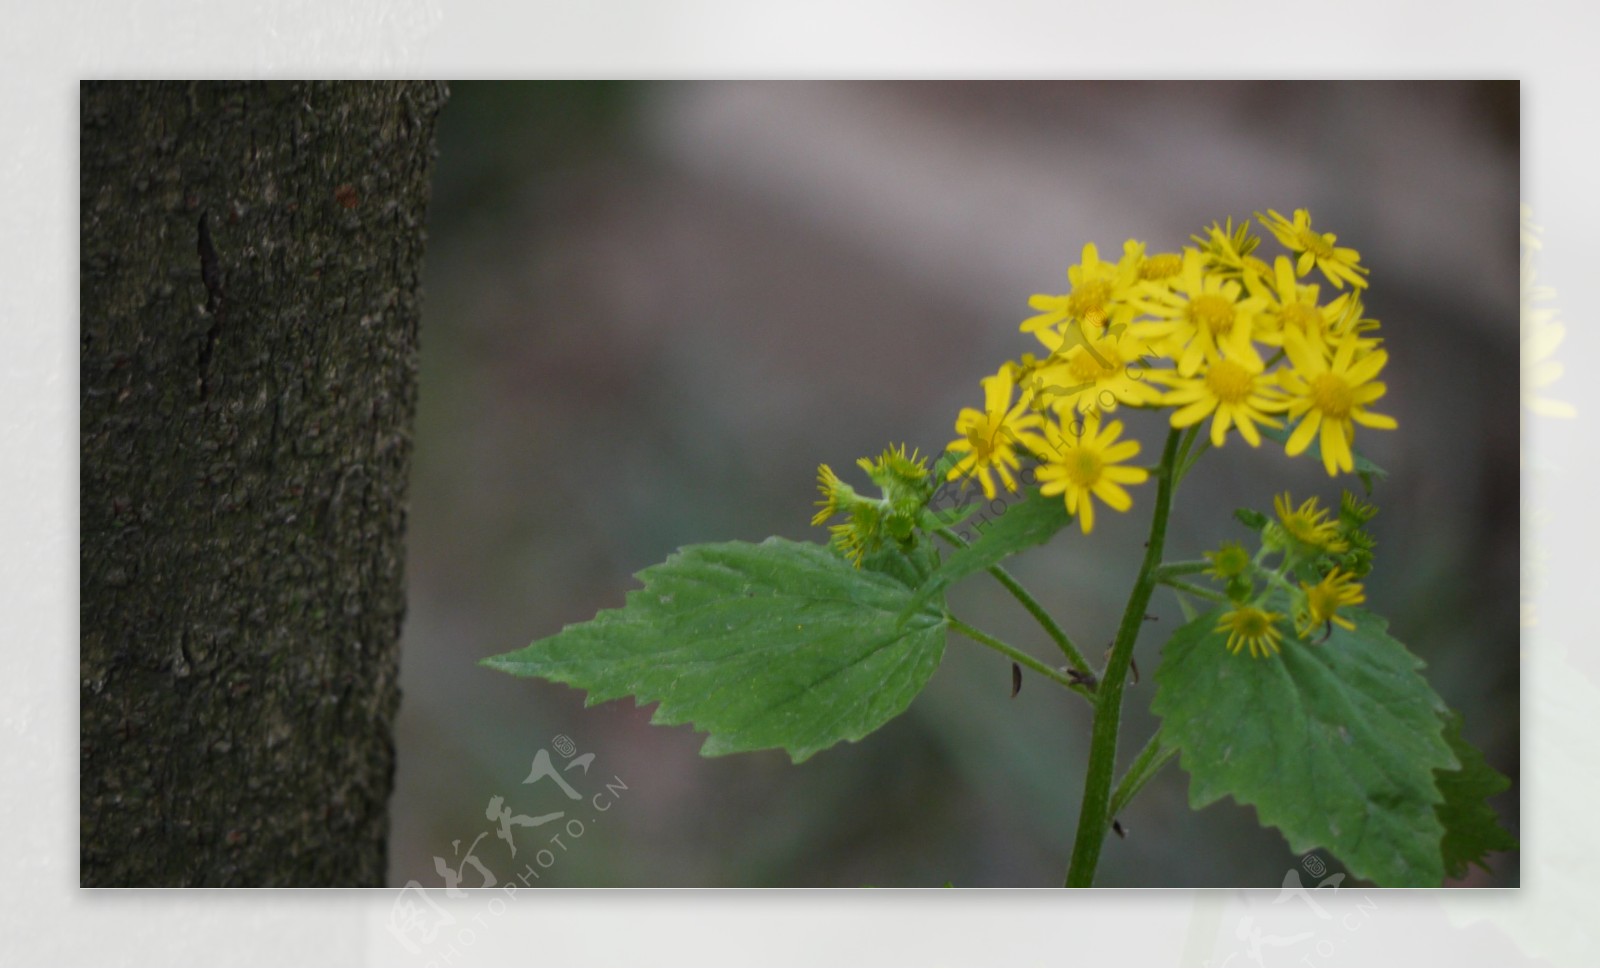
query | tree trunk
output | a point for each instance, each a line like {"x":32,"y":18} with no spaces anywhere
{"x":250,"y":264}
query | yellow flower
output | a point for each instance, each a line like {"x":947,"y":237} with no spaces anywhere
{"x":1309,"y":524}
{"x":1227,"y":251}
{"x":1160,"y":268}
{"x":1236,"y":391}
{"x":1330,"y":395}
{"x":989,"y":438}
{"x":1324,"y":599}
{"x":1256,"y":628}
{"x":1095,"y":373}
{"x":1339,"y":264}
{"x":1202,"y":314}
{"x":1294,"y":307}
{"x":1088,"y":463}
{"x":1100,"y":291}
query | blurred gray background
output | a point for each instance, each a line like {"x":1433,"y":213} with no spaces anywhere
{"x":652,"y":309}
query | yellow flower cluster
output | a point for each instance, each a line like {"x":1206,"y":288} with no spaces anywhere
{"x":1212,"y":332}
{"x":1335,"y":550}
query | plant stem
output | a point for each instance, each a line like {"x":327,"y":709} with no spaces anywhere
{"x":1017,"y":655}
{"x":1190,"y":456}
{"x":1144,"y":767}
{"x":1194,"y":590}
{"x":1183,"y":568}
{"x":1093,"y":814}
{"x":1074,"y":658}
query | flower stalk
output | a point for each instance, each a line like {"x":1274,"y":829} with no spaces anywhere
{"x":1094,"y":815}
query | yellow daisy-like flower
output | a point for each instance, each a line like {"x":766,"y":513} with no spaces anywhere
{"x":1256,"y":628}
{"x":1097,"y":373}
{"x":990,"y":437}
{"x":1227,"y":251}
{"x":1236,"y":391}
{"x":1332,"y":396}
{"x":1339,"y":264}
{"x":1163,"y":267}
{"x":1322,"y":601}
{"x":1099,"y":297}
{"x":1309,"y":524}
{"x":1202,"y":314}
{"x":1088,"y":464}
{"x":1293,"y":306}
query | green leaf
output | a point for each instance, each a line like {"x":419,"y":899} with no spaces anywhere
{"x":783,"y":644}
{"x":1471,"y":829}
{"x":942,"y":466}
{"x":911,"y":568}
{"x":1025,"y":522}
{"x":1335,"y":744}
{"x":1365,"y":469}
{"x":1250,"y":518}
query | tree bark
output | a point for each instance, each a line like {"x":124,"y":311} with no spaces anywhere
{"x":250,"y":258}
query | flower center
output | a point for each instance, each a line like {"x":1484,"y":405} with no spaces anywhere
{"x":1093,"y":364}
{"x":1304,"y":528}
{"x":1212,"y":313}
{"x":1161,"y":266}
{"x":1306,"y":318}
{"x":1083,"y":467}
{"x":1088,"y":302}
{"x":1252,"y":623}
{"x":1331,"y":395}
{"x":1229,"y":382}
{"x":1314,"y":243}
{"x":984,"y":436}
{"x":1323,"y":601}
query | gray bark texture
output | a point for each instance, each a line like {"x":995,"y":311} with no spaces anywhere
{"x":250,"y":258}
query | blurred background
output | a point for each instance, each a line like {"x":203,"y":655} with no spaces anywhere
{"x":652,"y":310}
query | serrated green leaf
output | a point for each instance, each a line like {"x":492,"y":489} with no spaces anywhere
{"x":1025,"y":522}
{"x":1365,"y":469}
{"x":1334,"y":744}
{"x":1471,"y":829}
{"x":783,"y":644}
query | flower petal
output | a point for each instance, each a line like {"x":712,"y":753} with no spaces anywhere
{"x":1301,"y":438}
{"x":1113,"y":495}
{"x":1367,"y":418}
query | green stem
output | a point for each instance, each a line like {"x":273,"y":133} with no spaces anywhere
{"x":1017,"y":655}
{"x":1150,"y":760}
{"x":1183,"y":568}
{"x":1074,"y":658}
{"x":1191,"y":457}
{"x":1193,"y":589}
{"x":1093,"y":814}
